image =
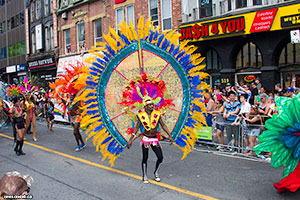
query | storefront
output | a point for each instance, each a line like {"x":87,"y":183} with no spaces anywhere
{"x":43,"y":69}
{"x":254,"y":44}
{"x":14,"y":74}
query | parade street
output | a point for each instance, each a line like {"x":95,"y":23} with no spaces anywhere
{"x":61,"y":173}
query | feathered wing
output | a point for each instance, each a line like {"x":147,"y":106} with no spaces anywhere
{"x":94,"y":116}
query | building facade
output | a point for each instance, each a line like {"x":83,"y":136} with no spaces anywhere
{"x":82,"y":23}
{"x":245,"y":40}
{"x":41,"y":37}
{"x":12,"y":40}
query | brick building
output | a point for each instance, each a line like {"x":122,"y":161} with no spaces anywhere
{"x":83,"y":22}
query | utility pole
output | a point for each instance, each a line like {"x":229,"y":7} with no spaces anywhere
{"x":6,"y":38}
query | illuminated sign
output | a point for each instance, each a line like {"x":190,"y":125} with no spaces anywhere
{"x":249,"y":78}
{"x":248,"y":23}
{"x":290,"y":20}
{"x":222,"y":27}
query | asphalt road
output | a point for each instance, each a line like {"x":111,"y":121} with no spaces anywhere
{"x":61,"y":173}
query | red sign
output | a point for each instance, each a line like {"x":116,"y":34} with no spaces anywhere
{"x":217,"y":28}
{"x":263,"y":20}
{"x":249,"y":78}
{"x":119,"y":1}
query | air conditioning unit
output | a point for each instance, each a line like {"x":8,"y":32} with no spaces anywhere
{"x":64,"y":15}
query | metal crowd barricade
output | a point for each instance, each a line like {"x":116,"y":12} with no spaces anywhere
{"x":235,"y":137}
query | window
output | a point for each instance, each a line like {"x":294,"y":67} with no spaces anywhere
{"x":22,"y":17}
{"x":3,"y":53}
{"x":67,"y":41}
{"x":249,"y":56}
{"x":98,"y":30}
{"x":166,"y":14}
{"x":229,"y":5}
{"x":290,"y":54}
{"x":130,"y":14}
{"x":2,"y":2}
{"x":33,"y":43}
{"x":212,"y":60}
{"x":48,"y":38}
{"x":119,"y":18}
{"x":80,"y":34}
{"x":51,"y":6}
{"x":52,"y":37}
{"x":154,"y":11}
{"x":46,"y":7}
{"x":38,"y":9}
{"x":241,"y":4}
{"x":257,"y":2}
{"x":32,"y":10}
{"x":205,"y":8}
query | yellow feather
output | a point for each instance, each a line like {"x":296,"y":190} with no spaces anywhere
{"x":133,"y":31}
{"x":116,"y":36}
{"x":111,"y":42}
{"x":141,"y":27}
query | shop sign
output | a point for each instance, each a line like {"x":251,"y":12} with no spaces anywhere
{"x":21,"y":67}
{"x":249,"y":78}
{"x":263,"y":20}
{"x":224,"y":80}
{"x":291,"y":20}
{"x":41,"y":63}
{"x":11,"y":69}
{"x":295,"y":36}
{"x":217,"y":28}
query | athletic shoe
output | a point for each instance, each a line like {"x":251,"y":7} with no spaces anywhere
{"x":82,"y":146}
{"x":78,"y":148}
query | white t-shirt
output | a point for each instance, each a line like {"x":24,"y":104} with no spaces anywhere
{"x":245,"y":107}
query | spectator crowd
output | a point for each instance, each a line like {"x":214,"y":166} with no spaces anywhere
{"x":240,"y":111}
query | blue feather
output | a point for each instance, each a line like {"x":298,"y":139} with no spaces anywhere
{"x":171,"y":48}
{"x":151,"y":36}
{"x":290,"y":129}
{"x":92,"y":94}
{"x":125,"y":39}
{"x":96,"y":64}
{"x":92,"y":106}
{"x":94,"y":73}
{"x":96,"y":69}
{"x":176,"y":51}
{"x":98,"y":128}
{"x":110,"y":50}
{"x":183,"y":137}
{"x":91,"y":88}
{"x":101,"y":61}
{"x":111,"y":146}
{"x":106,"y":140}
{"x":297,"y":125}
{"x":155,"y":35}
{"x":119,"y":151}
{"x":296,"y":152}
{"x":292,"y":141}
{"x":185,"y":60}
{"x":180,"y":142}
{"x":180,"y":54}
{"x":95,"y":116}
{"x":91,"y":83}
{"x":92,"y":112}
{"x":161,"y":37}
{"x":118,"y":44}
{"x":90,"y":101}
{"x":165,"y":44}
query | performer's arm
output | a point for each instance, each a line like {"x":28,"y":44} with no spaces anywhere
{"x":165,"y":128}
{"x":136,"y":128}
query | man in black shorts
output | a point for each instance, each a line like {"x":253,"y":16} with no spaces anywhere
{"x":49,"y":113}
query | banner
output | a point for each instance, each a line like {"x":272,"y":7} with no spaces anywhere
{"x":205,"y":134}
{"x":119,"y":1}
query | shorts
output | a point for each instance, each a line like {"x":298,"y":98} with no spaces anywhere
{"x":75,"y":119}
{"x":220,"y":127}
{"x":50,"y":116}
{"x":254,"y":132}
{"x":19,"y":122}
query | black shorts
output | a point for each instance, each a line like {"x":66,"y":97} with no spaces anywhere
{"x":50,"y":116}
{"x":19,"y":122}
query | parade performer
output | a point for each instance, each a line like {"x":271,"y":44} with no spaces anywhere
{"x":65,"y":91}
{"x":282,"y":139}
{"x":13,"y":92}
{"x":49,"y":113}
{"x":19,"y":123}
{"x":147,"y":67}
{"x":28,"y":104}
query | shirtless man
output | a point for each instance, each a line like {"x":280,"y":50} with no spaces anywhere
{"x":150,"y":136}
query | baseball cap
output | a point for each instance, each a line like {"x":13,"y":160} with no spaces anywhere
{"x":290,"y":89}
{"x":228,"y":84}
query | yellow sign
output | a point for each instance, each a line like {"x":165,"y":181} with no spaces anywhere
{"x":252,"y":22}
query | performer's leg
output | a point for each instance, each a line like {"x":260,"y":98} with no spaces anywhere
{"x":144,"y":163}
{"x":79,"y":135}
{"x":21,"y":142}
{"x":28,"y":126}
{"x":34,"y":127}
{"x":16,"y":149}
{"x":48,"y":122}
{"x":158,"y":152}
